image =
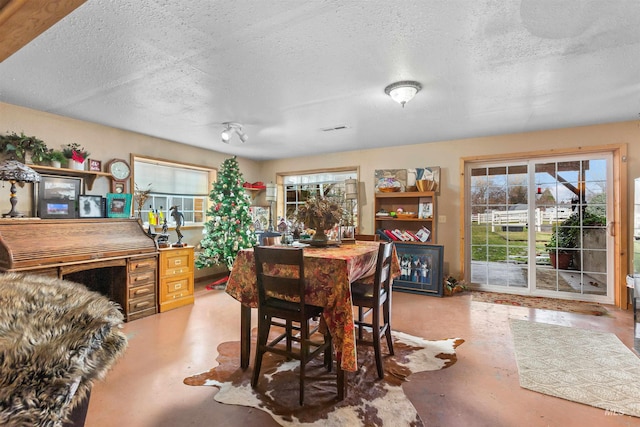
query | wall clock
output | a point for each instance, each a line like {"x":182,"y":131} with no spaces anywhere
{"x":120,"y":172}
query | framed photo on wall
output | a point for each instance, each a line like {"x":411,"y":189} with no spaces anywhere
{"x":90,"y":207}
{"x":119,"y":205}
{"x":58,"y":196}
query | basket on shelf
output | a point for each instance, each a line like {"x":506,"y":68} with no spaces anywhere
{"x":405,"y":215}
{"x":389,"y":189}
{"x":425,"y":184}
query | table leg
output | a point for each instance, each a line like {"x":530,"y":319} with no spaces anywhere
{"x":342,"y":387}
{"x":245,"y":335}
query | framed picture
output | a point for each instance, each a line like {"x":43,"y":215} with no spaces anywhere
{"x":425,"y":209}
{"x":389,"y":180}
{"x":95,"y":165}
{"x":259,"y":217}
{"x":58,"y":196}
{"x":118,"y":205}
{"x":90,"y":207}
{"x":347,"y":233}
{"x":420,"y":268}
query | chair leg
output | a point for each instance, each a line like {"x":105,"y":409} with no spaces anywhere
{"x":376,"y":343}
{"x":263,"y":335}
{"x":360,"y":320}
{"x":289,"y":329}
{"x":328,"y":352}
{"x":304,"y":352}
{"x":386,"y":310}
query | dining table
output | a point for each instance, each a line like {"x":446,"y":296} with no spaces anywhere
{"x":329,"y":272}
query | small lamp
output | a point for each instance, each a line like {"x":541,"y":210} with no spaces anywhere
{"x":14,"y":171}
{"x":271,"y":197}
{"x":351,"y":194}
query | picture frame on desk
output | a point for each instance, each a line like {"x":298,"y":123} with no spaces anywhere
{"x":119,"y":205}
{"x":90,"y":206}
{"x":58,"y":196}
{"x":421,"y":268}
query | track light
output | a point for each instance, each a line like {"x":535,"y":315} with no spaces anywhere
{"x":231,"y":128}
{"x":226,"y":134}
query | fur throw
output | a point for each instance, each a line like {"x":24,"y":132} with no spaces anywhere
{"x":56,"y":337}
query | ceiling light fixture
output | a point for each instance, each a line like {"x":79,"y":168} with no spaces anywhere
{"x":231,"y":128}
{"x":403,"y":92}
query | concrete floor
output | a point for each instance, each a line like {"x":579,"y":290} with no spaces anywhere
{"x":145,"y":387}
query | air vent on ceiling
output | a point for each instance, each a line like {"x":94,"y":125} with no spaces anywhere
{"x":339,"y":127}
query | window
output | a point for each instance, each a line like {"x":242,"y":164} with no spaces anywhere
{"x":172,"y":184}
{"x":298,"y":188}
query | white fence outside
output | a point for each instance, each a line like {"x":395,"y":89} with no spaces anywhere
{"x":520,"y":218}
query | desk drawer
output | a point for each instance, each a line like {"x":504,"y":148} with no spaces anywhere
{"x":176,"y":286}
{"x":144,"y":303}
{"x":142,"y":278}
{"x":142,"y":291}
{"x":142,"y":264}
{"x":177,"y":261}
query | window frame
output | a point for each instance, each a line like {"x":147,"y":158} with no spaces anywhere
{"x":282,"y":209}
{"x":199,"y":203}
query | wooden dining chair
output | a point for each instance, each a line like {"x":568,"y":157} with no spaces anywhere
{"x":376,"y":300}
{"x":367,"y":237}
{"x":281,"y":296}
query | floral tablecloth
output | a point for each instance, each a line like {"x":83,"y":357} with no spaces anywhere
{"x":329,"y":272}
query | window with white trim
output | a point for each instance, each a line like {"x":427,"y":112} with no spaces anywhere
{"x":298,"y":188}
{"x":172,"y":184}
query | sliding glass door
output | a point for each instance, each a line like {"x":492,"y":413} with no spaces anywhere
{"x":539,"y":227}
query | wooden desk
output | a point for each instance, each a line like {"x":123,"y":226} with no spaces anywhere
{"x":114,"y":257}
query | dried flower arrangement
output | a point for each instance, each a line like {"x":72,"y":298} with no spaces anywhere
{"x":140,"y":197}
{"x":320,"y":214}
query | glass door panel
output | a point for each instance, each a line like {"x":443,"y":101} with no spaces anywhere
{"x":540,"y":227}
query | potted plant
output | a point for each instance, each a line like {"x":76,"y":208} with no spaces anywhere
{"x":24,"y":148}
{"x":566,"y":237}
{"x":76,"y":155}
{"x":55,"y":158}
{"x":453,"y":286}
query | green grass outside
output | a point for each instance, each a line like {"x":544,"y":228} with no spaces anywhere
{"x":490,"y":245}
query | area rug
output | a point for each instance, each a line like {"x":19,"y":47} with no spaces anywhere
{"x":580,"y":307}
{"x":369,"y":401}
{"x":593,"y":368}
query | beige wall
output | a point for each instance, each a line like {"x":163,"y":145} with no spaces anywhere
{"x":106,"y":143}
{"x":447,"y":155}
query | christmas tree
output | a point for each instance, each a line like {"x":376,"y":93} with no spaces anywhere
{"x":229,"y":226}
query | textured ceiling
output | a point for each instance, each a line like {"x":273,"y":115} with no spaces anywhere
{"x":287,"y":69}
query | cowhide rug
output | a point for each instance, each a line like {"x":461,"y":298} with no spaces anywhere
{"x":369,"y":401}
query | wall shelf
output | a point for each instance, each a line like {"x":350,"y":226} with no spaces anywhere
{"x":89,"y":176}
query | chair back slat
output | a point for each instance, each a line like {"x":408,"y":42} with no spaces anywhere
{"x":279,"y":273}
{"x":383,"y":269}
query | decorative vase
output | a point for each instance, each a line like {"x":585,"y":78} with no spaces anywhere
{"x":76,"y":165}
{"x":319,"y":235}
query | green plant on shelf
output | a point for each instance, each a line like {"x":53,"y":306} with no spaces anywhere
{"x":20,"y":146}
{"x":75,"y":152}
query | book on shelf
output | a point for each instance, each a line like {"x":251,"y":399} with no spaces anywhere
{"x":423,"y":234}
